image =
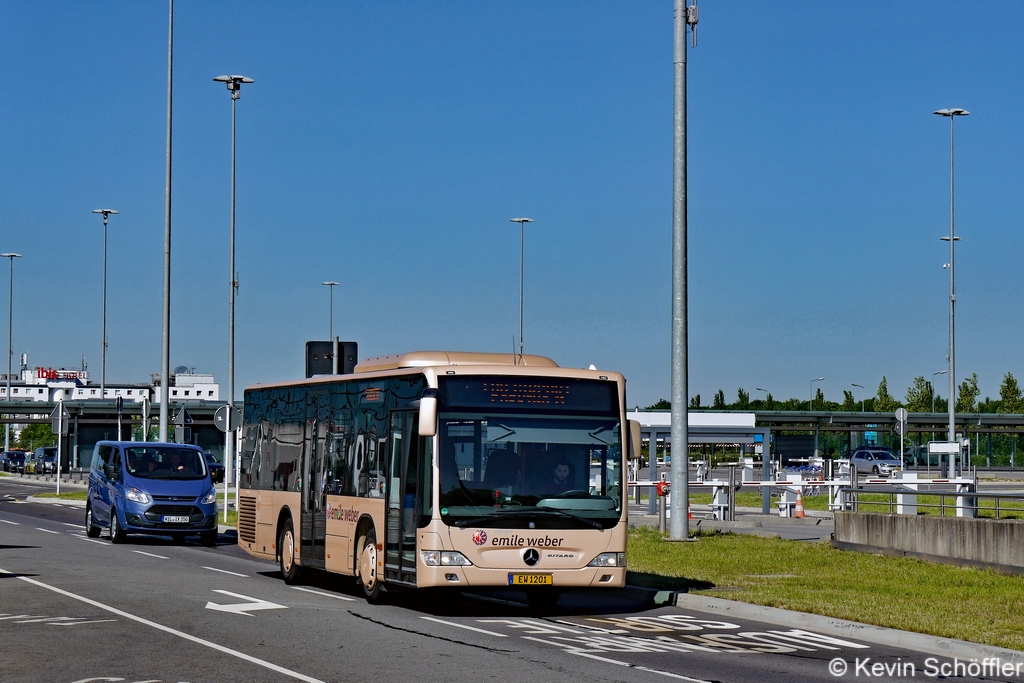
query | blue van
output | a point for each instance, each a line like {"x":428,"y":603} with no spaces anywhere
{"x":137,"y":487}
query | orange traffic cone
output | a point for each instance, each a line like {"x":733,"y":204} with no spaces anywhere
{"x":799,"y":511}
{"x":689,"y":514}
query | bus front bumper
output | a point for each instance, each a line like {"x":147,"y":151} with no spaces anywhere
{"x":477,"y":577}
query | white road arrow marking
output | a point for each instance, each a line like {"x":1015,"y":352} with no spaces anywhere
{"x":244,"y":607}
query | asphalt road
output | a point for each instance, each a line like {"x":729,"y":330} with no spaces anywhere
{"x":74,"y":609}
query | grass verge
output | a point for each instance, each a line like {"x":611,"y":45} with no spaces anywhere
{"x":70,"y":495}
{"x":942,"y":600}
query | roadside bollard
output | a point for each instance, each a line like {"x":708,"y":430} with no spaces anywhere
{"x":663,"y":487}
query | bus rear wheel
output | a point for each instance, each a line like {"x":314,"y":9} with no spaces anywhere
{"x":286,"y":547}
{"x":367,"y":567}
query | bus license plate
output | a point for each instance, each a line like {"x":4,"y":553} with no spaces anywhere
{"x":530,"y":580}
{"x":175,"y":519}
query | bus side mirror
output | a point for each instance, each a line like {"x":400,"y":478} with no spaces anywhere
{"x":634,"y":439}
{"x":428,"y":413}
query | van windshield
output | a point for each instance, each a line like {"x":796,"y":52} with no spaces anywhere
{"x":165,"y":462}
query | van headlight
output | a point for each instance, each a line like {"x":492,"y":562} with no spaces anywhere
{"x":609,"y":560}
{"x":135,"y":495}
{"x":444,"y":558}
{"x":210,"y":497}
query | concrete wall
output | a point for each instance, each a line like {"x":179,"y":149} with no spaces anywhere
{"x":959,"y":540}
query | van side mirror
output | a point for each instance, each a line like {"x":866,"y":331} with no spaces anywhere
{"x":110,"y":471}
{"x":634,"y":439}
{"x":428,"y":413}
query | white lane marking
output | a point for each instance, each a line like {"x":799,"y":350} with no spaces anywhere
{"x":626,"y":664}
{"x":7,"y":521}
{"x":141,"y":552}
{"x":225,"y":571}
{"x":77,"y":526}
{"x":167,"y":629}
{"x":91,"y":540}
{"x":326,"y":595}
{"x":18,"y":616}
{"x":468,"y":628}
{"x":39,"y":528}
{"x":243,"y":607}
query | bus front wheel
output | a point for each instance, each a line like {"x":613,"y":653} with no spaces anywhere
{"x":367,"y":573}
{"x":286,"y":547}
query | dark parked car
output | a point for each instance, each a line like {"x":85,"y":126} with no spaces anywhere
{"x":13,"y":461}
{"x":216,"y":469}
{"x":46,"y":459}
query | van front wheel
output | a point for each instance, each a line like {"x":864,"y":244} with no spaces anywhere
{"x":91,"y":530}
{"x":117,"y":534}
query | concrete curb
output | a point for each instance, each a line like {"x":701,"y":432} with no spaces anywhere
{"x":56,"y":501}
{"x":880,"y":635}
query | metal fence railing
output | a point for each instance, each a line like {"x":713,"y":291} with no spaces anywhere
{"x":905,"y":500}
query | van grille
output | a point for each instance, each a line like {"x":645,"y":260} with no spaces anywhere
{"x":247,"y":519}
{"x":155,"y":512}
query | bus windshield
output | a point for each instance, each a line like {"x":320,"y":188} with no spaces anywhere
{"x":530,"y":471}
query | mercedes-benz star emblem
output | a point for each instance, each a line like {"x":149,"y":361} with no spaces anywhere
{"x":531,"y":557}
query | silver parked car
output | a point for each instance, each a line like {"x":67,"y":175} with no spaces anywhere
{"x":875,"y":459}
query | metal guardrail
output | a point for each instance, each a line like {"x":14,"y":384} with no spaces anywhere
{"x":965,"y":504}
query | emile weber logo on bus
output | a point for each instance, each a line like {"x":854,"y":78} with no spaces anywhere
{"x":480,"y":538}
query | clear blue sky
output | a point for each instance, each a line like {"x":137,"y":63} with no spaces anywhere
{"x":386,"y":145}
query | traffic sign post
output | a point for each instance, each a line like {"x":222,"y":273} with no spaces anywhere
{"x":120,"y":410}
{"x":228,"y":419}
{"x":182,"y":430}
{"x":59,"y":425}
{"x":901,"y":428}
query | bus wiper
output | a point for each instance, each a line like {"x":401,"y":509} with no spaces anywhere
{"x":505,"y":512}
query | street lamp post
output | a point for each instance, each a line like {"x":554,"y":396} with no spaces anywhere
{"x":165,"y":342}
{"x":522,"y":249}
{"x":859,"y":386}
{"x":766,"y":395}
{"x":331,"y":286}
{"x":10,"y":349}
{"x":934,"y":375}
{"x":951,"y":114}
{"x":234,"y":85}
{"x":810,"y":400}
{"x":103,"y":348}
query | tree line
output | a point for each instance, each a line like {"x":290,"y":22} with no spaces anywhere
{"x":920,"y":397}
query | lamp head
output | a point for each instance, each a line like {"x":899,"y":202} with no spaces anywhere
{"x":234,"y":83}
{"x":330,"y":284}
{"x":11,"y":255}
{"x":952,"y":112}
{"x":520,"y":220}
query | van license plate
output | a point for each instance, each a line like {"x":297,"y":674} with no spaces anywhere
{"x":175,"y":519}
{"x":530,"y":580}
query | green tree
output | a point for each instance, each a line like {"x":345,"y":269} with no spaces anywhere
{"x":719,"y":403}
{"x":695,"y":402}
{"x":919,"y":396}
{"x":884,"y":402}
{"x":849,"y":405}
{"x":742,"y":399}
{"x":663,"y":404}
{"x":35,"y":435}
{"x":1010,"y":395}
{"x":967,"y":397}
{"x":819,"y":400}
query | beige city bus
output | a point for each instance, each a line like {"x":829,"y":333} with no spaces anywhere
{"x":436,"y":469}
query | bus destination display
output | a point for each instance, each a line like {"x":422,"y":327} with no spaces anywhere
{"x":512,"y":392}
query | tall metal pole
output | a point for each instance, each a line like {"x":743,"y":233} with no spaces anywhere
{"x":951,"y":113}
{"x":229,"y":435}
{"x":165,"y":350}
{"x":934,"y":374}
{"x":10,"y":349}
{"x":331,"y":285}
{"x":103,"y":346}
{"x":679,"y":528}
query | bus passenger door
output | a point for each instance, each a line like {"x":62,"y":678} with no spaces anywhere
{"x":314,"y":492}
{"x":406,"y":490}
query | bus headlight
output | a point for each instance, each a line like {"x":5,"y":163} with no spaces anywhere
{"x":609,"y":560}
{"x":444,"y":558}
